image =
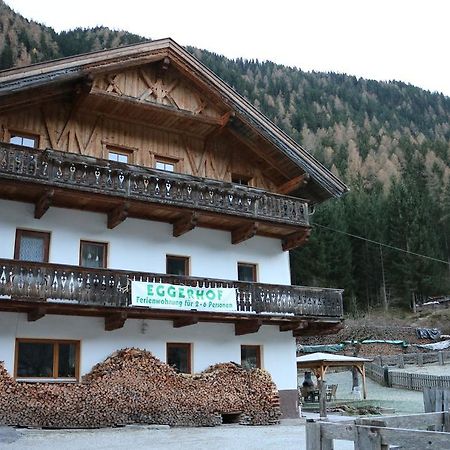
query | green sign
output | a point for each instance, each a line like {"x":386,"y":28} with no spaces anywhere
{"x":171,"y":296}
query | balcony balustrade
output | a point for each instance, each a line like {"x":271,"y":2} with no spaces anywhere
{"x":53,"y":169}
{"x":106,"y":288}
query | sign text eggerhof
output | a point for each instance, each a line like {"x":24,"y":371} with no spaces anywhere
{"x":171,"y":296}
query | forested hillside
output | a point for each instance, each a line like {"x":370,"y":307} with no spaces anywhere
{"x":389,"y":141}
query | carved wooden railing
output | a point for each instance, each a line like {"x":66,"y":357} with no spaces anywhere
{"x":111,"y":288}
{"x":69,"y":170}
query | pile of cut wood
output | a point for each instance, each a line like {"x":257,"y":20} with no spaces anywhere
{"x":132,"y":386}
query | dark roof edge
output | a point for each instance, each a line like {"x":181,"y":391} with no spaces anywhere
{"x":266,"y":127}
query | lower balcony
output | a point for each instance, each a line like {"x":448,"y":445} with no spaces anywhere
{"x":43,"y":288}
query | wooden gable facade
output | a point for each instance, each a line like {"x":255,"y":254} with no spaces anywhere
{"x":156,"y":103}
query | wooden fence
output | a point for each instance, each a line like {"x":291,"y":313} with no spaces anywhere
{"x":441,"y":357}
{"x":415,"y":432}
{"x":380,"y":372}
{"x":436,"y":400}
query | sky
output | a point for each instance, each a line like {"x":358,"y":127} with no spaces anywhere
{"x":406,"y":40}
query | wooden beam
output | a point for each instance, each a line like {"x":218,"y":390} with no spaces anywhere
{"x":293,"y":184}
{"x":154,"y":107}
{"x":43,"y":203}
{"x":243,"y":233}
{"x":117,"y":215}
{"x":257,"y":150}
{"x":296,"y":239}
{"x":115,"y":321}
{"x":247,"y":327}
{"x":185,"y":321}
{"x":291,"y":326}
{"x":82,"y":90}
{"x":36,"y":313}
{"x":185,"y":223}
{"x":223,"y":121}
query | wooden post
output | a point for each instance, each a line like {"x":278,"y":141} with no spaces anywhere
{"x":314,"y":438}
{"x":312,"y":435}
{"x":322,"y":398}
{"x":367,"y":438}
{"x":441,"y":358}
{"x":401,"y":361}
{"x":420,"y":359}
{"x":363,"y":373}
{"x":386,"y":376}
{"x":446,"y":421}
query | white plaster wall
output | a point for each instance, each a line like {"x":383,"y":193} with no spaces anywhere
{"x":212,"y":342}
{"x":142,"y":245}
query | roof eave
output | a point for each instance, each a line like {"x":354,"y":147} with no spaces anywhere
{"x":69,"y":69}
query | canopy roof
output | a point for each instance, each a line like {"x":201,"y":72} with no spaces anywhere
{"x":329,"y":360}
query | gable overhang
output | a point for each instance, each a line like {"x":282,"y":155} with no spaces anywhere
{"x":61,"y":77}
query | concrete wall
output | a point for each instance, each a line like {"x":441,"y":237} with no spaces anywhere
{"x":142,"y":245}
{"x":212,"y":342}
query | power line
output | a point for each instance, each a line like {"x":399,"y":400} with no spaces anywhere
{"x":383,"y":245}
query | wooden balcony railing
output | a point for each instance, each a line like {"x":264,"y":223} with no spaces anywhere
{"x":110,"y":288}
{"x":56,"y":169}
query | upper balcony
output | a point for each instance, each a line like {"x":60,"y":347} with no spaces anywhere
{"x":55,"y":178}
{"x":43,"y":288}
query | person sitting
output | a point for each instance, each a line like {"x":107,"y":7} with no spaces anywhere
{"x":308,"y":388}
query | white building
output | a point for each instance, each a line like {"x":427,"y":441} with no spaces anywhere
{"x":140,"y":164}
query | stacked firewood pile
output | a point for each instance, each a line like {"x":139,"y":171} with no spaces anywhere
{"x":132,"y":386}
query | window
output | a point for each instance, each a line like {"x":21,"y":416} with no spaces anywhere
{"x":240,"y":179}
{"x":251,"y":356}
{"x":26,"y":140}
{"x":167,"y":164}
{"x":93,"y":254}
{"x":177,"y":265}
{"x":32,"y":246}
{"x":179,"y":356}
{"x":119,"y":155}
{"x":47,"y":358}
{"x":247,"y":272}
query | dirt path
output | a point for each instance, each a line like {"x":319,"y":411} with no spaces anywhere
{"x":289,"y":435}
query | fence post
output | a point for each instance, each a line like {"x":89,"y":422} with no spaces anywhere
{"x":401,"y":362}
{"x":446,"y":421}
{"x":322,"y":398}
{"x":420,"y":359}
{"x":441,"y":358}
{"x":410,"y":381}
{"x":386,"y":376}
{"x":314,"y":439}
{"x":367,"y":438}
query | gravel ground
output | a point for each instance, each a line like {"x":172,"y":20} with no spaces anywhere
{"x":401,"y":400}
{"x":289,"y":435}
